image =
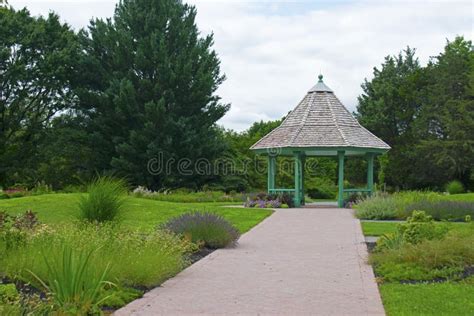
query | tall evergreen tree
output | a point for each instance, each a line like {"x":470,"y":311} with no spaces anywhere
{"x":148,"y":88}
{"x":446,"y":124}
{"x":388,"y":107}
{"x":389,"y":102}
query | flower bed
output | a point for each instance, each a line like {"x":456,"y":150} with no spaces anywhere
{"x":264,"y":200}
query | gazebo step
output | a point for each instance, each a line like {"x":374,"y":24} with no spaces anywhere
{"x":320,"y":205}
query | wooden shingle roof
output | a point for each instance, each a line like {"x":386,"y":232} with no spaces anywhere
{"x":320,"y":121}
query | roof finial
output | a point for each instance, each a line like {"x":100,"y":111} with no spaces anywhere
{"x":320,"y":86}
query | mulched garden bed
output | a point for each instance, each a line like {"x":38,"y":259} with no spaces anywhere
{"x":198,"y":255}
{"x":370,"y":246}
{"x":468,"y":271}
{"x":23,"y":288}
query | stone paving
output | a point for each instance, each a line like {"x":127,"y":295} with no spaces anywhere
{"x":296,"y":262}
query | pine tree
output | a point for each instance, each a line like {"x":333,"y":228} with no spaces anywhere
{"x":148,"y":87}
{"x":447,"y":122}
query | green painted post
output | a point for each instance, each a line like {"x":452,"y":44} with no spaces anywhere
{"x":370,"y":172}
{"x":303,"y":163}
{"x":274,"y":171}
{"x":297,"y":197}
{"x":271,"y":173}
{"x":340,"y":179}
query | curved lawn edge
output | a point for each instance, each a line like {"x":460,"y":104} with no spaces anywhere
{"x":140,"y":213}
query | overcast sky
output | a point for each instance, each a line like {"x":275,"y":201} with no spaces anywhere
{"x":272,"y":51}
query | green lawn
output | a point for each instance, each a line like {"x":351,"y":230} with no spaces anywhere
{"x":428,"y":299}
{"x":466,"y":197}
{"x":307,"y":199}
{"x":380,"y":228}
{"x":139,"y":213}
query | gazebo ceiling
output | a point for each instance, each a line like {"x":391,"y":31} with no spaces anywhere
{"x":320,"y":126}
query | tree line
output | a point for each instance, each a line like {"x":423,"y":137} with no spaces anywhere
{"x":426,"y":114}
{"x":109,"y":98}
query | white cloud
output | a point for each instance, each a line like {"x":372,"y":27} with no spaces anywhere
{"x":272,"y":52}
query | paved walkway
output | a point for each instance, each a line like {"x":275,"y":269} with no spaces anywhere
{"x":296,"y":262}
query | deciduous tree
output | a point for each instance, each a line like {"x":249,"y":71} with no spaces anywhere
{"x":36,"y":62}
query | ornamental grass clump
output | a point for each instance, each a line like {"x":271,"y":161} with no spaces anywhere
{"x":142,"y":191}
{"x":104,"y":201}
{"x":206,"y":229}
{"x":75,"y":285}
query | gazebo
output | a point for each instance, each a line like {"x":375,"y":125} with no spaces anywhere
{"x":320,"y":125}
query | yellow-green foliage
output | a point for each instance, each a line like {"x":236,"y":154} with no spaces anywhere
{"x":417,"y":228}
{"x":428,"y":259}
{"x":135,"y":258}
{"x":420,"y":227}
{"x":8,"y":293}
{"x":455,"y":187}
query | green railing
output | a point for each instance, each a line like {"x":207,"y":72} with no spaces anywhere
{"x":356,"y":190}
{"x":281,"y":190}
